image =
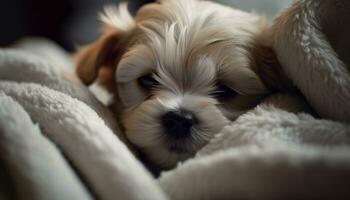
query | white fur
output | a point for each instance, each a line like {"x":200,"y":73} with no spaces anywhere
{"x":188,"y":46}
{"x":118,"y":17}
{"x":149,"y":135}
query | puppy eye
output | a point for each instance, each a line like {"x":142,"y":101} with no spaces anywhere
{"x":148,"y":82}
{"x":223,"y":92}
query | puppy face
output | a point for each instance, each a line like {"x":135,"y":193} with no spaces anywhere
{"x":181,"y":70}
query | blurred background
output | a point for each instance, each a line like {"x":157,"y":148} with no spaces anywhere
{"x":74,"y":22}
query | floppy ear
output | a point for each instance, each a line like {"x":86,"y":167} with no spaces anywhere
{"x":266,"y":64}
{"x":91,"y":58}
{"x":104,"y":54}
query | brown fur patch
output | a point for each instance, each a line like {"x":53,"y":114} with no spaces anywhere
{"x":265,"y":64}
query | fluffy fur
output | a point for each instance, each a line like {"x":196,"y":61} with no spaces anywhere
{"x":188,"y":46}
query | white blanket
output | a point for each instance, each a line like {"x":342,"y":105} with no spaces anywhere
{"x":57,"y":141}
{"x":66,"y":113}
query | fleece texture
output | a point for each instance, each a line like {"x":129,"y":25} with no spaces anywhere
{"x":309,"y":38}
{"x":70,"y":117}
{"x":57,"y":141}
{"x":24,"y":149}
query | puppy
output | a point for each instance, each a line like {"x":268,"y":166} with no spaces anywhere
{"x":181,"y":70}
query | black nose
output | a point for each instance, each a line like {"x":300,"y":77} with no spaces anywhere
{"x":178,"y":124}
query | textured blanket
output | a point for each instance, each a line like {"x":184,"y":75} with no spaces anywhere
{"x":57,"y":141}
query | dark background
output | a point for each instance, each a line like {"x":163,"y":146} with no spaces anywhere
{"x":73,"y":23}
{"x":68,"y":22}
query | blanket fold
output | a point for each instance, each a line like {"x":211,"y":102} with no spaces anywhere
{"x":61,"y":105}
{"x":25,"y":149}
{"x":58,"y":141}
{"x":308,"y":57}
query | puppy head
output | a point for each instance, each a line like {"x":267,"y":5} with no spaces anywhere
{"x":181,"y":70}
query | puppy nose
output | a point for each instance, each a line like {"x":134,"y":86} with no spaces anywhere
{"x":178,"y":123}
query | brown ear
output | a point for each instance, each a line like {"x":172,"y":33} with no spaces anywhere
{"x":92,"y":57}
{"x":265,"y":63}
{"x":106,"y":52}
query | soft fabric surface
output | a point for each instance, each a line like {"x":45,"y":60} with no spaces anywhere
{"x":66,"y":113}
{"x":58,"y":141}
{"x":310,"y":37}
{"x":24,"y":149}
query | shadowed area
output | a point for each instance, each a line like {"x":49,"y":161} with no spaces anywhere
{"x":74,"y":22}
